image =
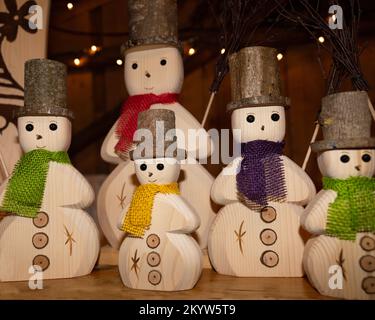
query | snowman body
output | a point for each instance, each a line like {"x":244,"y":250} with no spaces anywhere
{"x":336,"y":267}
{"x":266,"y":242}
{"x":166,"y":258}
{"x":62,"y":240}
{"x":157,"y":71}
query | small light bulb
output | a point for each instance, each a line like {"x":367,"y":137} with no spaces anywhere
{"x":280,"y":56}
{"x":321,"y":39}
{"x":94,"y":48}
{"x":70,"y":6}
{"x":119,"y":62}
{"x":191,"y":51}
{"x":222,"y":51}
{"x":77,"y":61}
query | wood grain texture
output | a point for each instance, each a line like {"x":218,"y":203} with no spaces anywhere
{"x":167,"y":258}
{"x":71,"y":239}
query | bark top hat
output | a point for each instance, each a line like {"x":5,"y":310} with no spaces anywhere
{"x":346,"y":122}
{"x":152,"y":23}
{"x":255,"y":79}
{"x":159,"y":138}
{"x":45,"y":89}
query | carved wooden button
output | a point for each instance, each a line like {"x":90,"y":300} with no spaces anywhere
{"x":41,"y":261}
{"x":368,"y":285}
{"x":40,"y":240}
{"x":153,"y":241}
{"x":268,"y":237}
{"x":268,"y":214}
{"x":367,"y":263}
{"x":154,"y":277}
{"x":153,"y":259}
{"x":367,"y":243}
{"x":41,"y":220}
{"x":270,"y":259}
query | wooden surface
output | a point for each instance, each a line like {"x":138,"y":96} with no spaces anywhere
{"x":105,"y":283}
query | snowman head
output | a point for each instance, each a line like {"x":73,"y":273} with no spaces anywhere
{"x":157,"y":170}
{"x":154,"y":70}
{"x":260,"y":123}
{"x":346,"y":163}
{"x":44,"y":132}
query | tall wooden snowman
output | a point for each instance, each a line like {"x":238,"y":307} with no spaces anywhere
{"x":153,"y":77}
{"x":46,"y":228}
{"x":158,"y":252}
{"x":340,"y":260}
{"x":257,"y":233}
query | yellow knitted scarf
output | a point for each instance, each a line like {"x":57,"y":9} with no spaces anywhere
{"x":138,"y":218}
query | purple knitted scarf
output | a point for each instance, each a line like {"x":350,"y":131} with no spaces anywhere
{"x":261,"y":178}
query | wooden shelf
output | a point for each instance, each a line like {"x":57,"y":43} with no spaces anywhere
{"x":105,"y":283}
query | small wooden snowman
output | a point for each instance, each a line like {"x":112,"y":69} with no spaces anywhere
{"x":257,"y":233}
{"x":46,"y":228}
{"x":340,"y":261}
{"x":158,"y":252}
{"x":153,"y":76}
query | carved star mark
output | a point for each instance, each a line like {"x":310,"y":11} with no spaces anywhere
{"x":122,"y":197}
{"x":135,"y":265}
{"x":340,"y":262}
{"x":70,"y":240}
{"x":240,"y":235}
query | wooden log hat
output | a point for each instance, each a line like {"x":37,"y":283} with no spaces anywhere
{"x":346,"y":121}
{"x":152,"y":23}
{"x":45,"y":89}
{"x":157,"y":136}
{"x":255,"y":79}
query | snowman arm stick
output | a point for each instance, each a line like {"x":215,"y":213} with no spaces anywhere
{"x":208,"y":108}
{"x":308,"y":153}
{"x":371,"y":107}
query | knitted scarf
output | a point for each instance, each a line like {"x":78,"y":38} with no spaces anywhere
{"x":138,"y":218}
{"x":261,"y":178}
{"x":127,"y":124}
{"x":353,"y":210}
{"x":25,"y":189}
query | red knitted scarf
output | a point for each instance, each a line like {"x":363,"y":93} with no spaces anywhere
{"x":127,"y":124}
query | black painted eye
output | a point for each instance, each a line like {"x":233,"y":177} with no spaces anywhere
{"x":275,"y":117}
{"x":250,"y":118}
{"x":160,"y":166}
{"x":143,"y":167}
{"x":134,"y":66}
{"x":366,"y":158}
{"x":163,"y":62}
{"x":29,"y":127}
{"x":345,"y":158}
{"x":53,"y":126}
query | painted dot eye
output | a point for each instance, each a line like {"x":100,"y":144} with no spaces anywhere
{"x":29,"y":127}
{"x":134,"y":66}
{"x":163,"y":62}
{"x":275,"y":117}
{"x":366,"y":158}
{"x":53,"y":126}
{"x":160,"y":166}
{"x":250,"y":118}
{"x":344,"y":158}
{"x":143,"y":167}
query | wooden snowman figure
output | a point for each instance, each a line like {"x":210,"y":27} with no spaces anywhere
{"x":257,"y":233}
{"x":46,"y":228}
{"x":340,"y":260}
{"x":153,"y":76}
{"x":158,"y":252}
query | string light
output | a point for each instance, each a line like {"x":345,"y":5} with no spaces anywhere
{"x":119,"y":62}
{"x":77,"y":61}
{"x":321,"y":39}
{"x":279,"y":56}
{"x":222,"y":51}
{"x":191,"y":51}
{"x":70,"y":6}
{"x":94,"y":48}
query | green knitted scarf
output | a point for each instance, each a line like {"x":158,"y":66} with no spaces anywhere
{"x":353,"y":210}
{"x":25,"y":189}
